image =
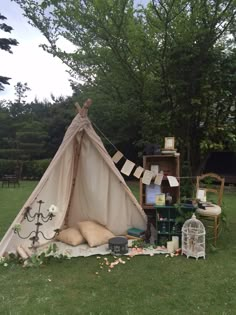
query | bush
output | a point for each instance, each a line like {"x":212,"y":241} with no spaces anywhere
{"x":34,"y":169}
{"x":30,"y":169}
{"x":7,"y":167}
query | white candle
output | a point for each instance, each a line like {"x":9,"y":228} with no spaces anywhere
{"x":170,"y":247}
{"x":175,"y":240}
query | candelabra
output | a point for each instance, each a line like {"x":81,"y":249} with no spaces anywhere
{"x":40,"y":220}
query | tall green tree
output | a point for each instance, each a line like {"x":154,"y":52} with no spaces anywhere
{"x":164,"y":69}
{"x":18,"y":107}
{"x":194,"y":49}
{"x":20,"y":92}
{"x":5,"y":44}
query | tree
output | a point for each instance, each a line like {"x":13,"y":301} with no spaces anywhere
{"x":18,"y":107}
{"x":166,"y":69}
{"x":5,"y":44}
{"x":193,"y":53}
{"x":20,"y":91}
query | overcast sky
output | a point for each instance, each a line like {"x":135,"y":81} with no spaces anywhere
{"x":29,"y":63}
{"x":44,"y":74}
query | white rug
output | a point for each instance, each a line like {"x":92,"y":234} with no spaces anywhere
{"x":84,"y":250}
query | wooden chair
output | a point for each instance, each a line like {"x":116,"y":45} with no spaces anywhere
{"x":213,"y":184}
{"x":10,"y":180}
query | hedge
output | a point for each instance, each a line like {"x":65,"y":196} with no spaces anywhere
{"x":29,"y":169}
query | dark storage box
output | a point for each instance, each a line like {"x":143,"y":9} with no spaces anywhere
{"x":118,"y":245}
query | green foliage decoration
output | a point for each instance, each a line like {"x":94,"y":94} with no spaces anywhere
{"x":35,"y":260}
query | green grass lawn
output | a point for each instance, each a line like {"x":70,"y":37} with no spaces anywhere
{"x":144,"y":285}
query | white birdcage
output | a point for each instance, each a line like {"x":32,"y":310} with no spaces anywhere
{"x":193,"y":238}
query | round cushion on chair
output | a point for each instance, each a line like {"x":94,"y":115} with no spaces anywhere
{"x":209,"y":210}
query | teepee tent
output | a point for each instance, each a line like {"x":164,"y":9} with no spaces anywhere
{"x":84,"y":184}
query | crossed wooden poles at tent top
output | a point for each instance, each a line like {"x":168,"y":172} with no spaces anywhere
{"x":84,"y":110}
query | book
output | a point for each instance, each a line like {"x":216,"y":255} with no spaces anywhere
{"x":160,"y":200}
{"x":136,"y":232}
{"x":168,"y":152}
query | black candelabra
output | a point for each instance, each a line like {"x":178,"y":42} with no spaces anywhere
{"x":40,"y":219}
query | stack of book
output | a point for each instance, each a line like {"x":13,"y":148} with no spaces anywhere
{"x":136,"y":232}
{"x":169,"y":151}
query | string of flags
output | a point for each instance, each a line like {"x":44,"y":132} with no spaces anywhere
{"x":147,"y":175}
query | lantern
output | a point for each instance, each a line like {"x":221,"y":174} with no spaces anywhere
{"x":193,"y":238}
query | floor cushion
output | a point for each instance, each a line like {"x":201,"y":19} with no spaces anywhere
{"x":94,"y":233}
{"x":71,"y":236}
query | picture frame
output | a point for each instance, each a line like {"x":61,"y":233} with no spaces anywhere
{"x":152,"y":191}
{"x":201,"y":195}
{"x":169,"y":143}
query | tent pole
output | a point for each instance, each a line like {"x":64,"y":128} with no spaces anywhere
{"x":83,"y":113}
{"x":77,"y":151}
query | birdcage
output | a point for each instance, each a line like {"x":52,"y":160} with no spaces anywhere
{"x":193,"y":238}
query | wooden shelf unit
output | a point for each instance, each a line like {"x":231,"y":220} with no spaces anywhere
{"x":169,"y":164}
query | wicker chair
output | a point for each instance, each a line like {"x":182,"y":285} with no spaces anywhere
{"x":213,"y":184}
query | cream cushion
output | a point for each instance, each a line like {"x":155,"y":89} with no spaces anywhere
{"x":94,"y":233}
{"x":71,"y":236}
{"x":211,"y":210}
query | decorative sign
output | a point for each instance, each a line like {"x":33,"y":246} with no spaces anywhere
{"x":117,"y":157}
{"x":138,"y":172}
{"x":127,"y":167}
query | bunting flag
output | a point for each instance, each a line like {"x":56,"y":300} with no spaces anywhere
{"x":155,"y":169}
{"x":127,"y":167}
{"x":117,"y":157}
{"x":158,"y":179}
{"x":138,"y":172}
{"x":173,"y":181}
{"x":147,"y":177}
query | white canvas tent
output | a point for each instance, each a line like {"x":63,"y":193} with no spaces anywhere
{"x":83,"y":182}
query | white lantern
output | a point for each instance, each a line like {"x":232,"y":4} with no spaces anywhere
{"x":193,"y":238}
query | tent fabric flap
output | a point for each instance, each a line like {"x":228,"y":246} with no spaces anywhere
{"x":99,"y":194}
